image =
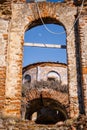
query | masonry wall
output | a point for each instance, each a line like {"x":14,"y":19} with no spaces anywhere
{"x":3,"y":60}
{"x":83,"y":52}
{"x":23,"y":16}
{"x":30,"y":15}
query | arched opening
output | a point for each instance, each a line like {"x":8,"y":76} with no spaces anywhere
{"x":45,"y":111}
{"x":27,"y":77}
{"x":53,"y":75}
{"x":51,"y":33}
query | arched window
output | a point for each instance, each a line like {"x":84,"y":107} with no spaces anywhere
{"x":53,"y":75}
{"x":27,"y":77}
{"x":39,"y":35}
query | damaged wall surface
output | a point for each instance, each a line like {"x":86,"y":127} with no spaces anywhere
{"x":16,"y":17}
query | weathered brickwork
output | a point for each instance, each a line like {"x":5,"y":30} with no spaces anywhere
{"x":28,"y":125}
{"x":3,"y":61}
{"x":21,"y":16}
{"x":2,"y":87}
{"x":27,"y":18}
{"x":41,"y":73}
{"x":83,"y":46}
{"x":13,"y":93}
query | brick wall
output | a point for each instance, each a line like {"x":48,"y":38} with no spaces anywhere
{"x":3,"y":60}
{"x":83,"y":46}
{"x":29,"y":15}
{"x":22,"y":17}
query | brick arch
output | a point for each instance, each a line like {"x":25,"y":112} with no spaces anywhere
{"x":46,"y":98}
{"x":47,"y":93}
{"x":47,"y":20}
{"x":44,"y":11}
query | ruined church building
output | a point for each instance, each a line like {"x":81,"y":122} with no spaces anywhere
{"x":17,"y":16}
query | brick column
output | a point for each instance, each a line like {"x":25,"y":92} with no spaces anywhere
{"x":2,"y":87}
{"x":72,"y":76}
{"x":14,"y":76}
{"x":3,"y":53}
{"x":83,"y":51}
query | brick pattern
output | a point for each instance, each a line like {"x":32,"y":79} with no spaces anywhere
{"x":23,"y":16}
{"x":29,"y":15}
{"x":28,"y":125}
{"x":2,"y":87}
{"x":83,"y":44}
{"x":43,"y":94}
{"x":48,"y":93}
{"x":13,"y":92}
{"x":3,"y":59}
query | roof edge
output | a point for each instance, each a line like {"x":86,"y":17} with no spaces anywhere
{"x":42,"y":64}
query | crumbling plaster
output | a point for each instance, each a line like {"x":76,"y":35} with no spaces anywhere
{"x":24,"y":16}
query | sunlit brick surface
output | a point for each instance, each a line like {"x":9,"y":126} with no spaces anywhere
{"x":15,"y":19}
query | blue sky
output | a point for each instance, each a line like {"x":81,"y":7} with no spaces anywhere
{"x":55,"y":0}
{"x":48,"y":0}
{"x":39,"y":34}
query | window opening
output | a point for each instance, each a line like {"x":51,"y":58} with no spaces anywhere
{"x":27,"y":77}
{"x":40,"y":35}
{"x":53,"y":76}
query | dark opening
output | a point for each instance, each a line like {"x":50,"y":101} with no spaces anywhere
{"x":45,"y":111}
{"x":28,"y":78}
{"x":51,"y":79}
{"x":48,"y":115}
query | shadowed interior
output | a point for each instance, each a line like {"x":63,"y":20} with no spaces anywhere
{"x":45,"y":111}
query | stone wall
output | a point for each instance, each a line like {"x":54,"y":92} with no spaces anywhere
{"x":21,"y":16}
